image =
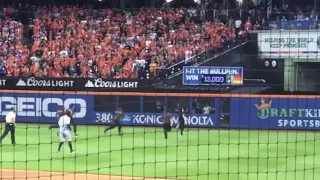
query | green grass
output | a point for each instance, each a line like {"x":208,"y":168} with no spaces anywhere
{"x":203,"y":154}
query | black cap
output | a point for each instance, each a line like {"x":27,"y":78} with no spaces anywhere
{"x":12,"y":109}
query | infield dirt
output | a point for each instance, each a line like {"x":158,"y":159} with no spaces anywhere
{"x":10,"y":174}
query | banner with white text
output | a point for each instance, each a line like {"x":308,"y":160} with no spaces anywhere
{"x":71,"y":84}
{"x":275,"y":113}
{"x":42,"y":108}
{"x":212,"y":75}
{"x":245,"y":112}
{"x":294,"y":44}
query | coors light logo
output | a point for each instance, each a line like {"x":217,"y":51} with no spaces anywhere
{"x":33,"y":82}
{"x":99,"y":83}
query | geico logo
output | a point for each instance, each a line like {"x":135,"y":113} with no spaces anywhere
{"x":29,"y":106}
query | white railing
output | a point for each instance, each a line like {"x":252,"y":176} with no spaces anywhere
{"x":206,"y":60}
{"x":186,"y":61}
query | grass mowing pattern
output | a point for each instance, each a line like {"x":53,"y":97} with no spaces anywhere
{"x":200,"y":154}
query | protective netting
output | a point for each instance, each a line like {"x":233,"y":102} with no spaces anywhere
{"x":203,"y":152}
{"x":92,"y":41}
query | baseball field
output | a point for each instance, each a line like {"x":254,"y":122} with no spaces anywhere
{"x":143,"y":153}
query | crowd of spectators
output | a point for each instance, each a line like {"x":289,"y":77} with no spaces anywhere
{"x":76,"y":42}
{"x":73,"y":42}
{"x":10,"y":42}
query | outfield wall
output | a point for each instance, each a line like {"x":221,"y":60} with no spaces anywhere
{"x":283,"y":112}
{"x":231,"y":110}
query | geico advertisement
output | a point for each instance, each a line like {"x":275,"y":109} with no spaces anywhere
{"x":154,"y":119}
{"x":276,"y":113}
{"x":43,"y":107}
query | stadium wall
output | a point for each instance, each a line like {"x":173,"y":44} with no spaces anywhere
{"x":244,"y":110}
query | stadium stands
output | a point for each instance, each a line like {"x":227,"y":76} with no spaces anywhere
{"x":72,"y":42}
{"x":109,"y":43}
{"x":11,"y":46}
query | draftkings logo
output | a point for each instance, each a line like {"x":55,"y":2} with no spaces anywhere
{"x":263,"y":104}
{"x":267,"y":111}
{"x":264,"y":108}
{"x":282,"y":112}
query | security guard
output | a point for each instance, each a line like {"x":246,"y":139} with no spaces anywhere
{"x":10,"y":126}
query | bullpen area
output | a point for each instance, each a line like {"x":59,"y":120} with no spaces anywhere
{"x":144,"y":153}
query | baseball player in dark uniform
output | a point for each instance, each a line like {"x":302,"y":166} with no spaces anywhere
{"x":180,"y":125}
{"x":60,"y":112}
{"x":166,"y":124}
{"x":116,"y":121}
{"x":10,"y":126}
{"x":72,"y":122}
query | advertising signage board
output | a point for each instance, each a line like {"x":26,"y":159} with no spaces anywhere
{"x":244,"y":111}
{"x":89,"y":84}
{"x":275,"y":113}
{"x":72,"y":84}
{"x":293,"y":44}
{"x":42,"y":108}
{"x":212,"y":75}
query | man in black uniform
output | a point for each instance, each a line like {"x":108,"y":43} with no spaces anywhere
{"x":180,"y":125}
{"x":72,"y":122}
{"x":166,"y":124}
{"x":116,"y":121}
{"x":10,"y":126}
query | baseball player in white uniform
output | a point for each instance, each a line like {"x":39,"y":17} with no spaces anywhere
{"x":65,"y":131}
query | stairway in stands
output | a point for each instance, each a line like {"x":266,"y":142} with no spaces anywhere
{"x":228,"y":57}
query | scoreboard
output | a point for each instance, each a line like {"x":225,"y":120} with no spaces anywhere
{"x":212,"y":75}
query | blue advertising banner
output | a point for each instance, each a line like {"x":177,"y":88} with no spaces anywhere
{"x":275,"y":113}
{"x":155,"y":119}
{"x":212,"y":75}
{"x":293,"y":24}
{"x":42,"y":108}
{"x":245,"y":112}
